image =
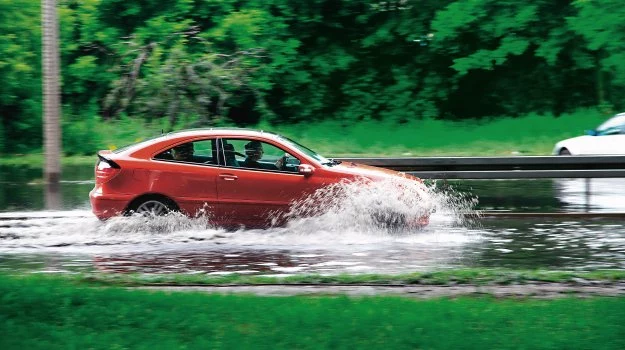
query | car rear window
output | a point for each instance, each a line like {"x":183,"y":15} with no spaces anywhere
{"x":137,"y":144}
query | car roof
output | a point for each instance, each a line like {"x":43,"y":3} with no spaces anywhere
{"x":219,"y":131}
{"x":198,"y":132}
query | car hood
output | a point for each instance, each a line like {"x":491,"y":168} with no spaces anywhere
{"x":578,"y":139}
{"x":574,"y":144}
{"x":368,"y":171}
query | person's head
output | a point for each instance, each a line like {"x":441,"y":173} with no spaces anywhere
{"x":254,"y":150}
{"x":183,"y":152}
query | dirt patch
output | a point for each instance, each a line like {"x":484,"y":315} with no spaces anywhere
{"x":536,"y":290}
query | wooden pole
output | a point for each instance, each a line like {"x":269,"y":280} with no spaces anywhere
{"x":51,"y":101}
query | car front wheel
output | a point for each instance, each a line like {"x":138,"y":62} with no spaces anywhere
{"x":389,"y":219}
{"x":564,"y":152}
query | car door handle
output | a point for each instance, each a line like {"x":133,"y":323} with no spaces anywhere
{"x":228,"y":177}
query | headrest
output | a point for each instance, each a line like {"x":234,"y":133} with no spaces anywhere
{"x":253,"y":145}
{"x":184,"y":147}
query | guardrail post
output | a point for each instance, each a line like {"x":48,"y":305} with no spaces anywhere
{"x":587,"y":194}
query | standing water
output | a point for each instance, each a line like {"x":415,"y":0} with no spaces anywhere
{"x":343,"y":237}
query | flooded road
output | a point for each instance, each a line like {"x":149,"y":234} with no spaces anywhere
{"x":72,"y":240}
{"x":80,"y":243}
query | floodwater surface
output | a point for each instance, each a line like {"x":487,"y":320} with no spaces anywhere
{"x":80,"y":243}
{"x":344,"y":240}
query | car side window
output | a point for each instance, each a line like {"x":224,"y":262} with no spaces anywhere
{"x":254,"y":154}
{"x":199,"y":152}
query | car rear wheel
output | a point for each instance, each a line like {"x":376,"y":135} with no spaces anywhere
{"x":152,"y":206}
{"x":564,"y":152}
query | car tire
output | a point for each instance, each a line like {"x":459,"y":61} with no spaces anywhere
{"x":390,"y":220}
{"x":152,"y":206}
{"x":564,"y":152}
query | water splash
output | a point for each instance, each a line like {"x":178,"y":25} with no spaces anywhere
{"x":338,"y":216}
{"x":389,"y":206}
{"x":171,"y":222}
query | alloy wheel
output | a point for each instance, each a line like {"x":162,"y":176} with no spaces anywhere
{"x":153,"y":208}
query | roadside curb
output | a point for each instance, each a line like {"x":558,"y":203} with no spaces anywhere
{"x":533,"y":290}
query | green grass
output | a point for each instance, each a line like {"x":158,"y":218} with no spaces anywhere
{"x":46,"y":313}
{"x":474,"y":276}
{"x":528,"y":135}
{"x":36,"y":160}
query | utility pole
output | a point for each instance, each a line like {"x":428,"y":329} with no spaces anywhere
{"x":51,"y":102}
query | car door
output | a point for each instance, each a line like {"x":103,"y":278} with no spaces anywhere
{"x":190,"y":182}
{"x":260,"y":196}
{"x":609,"y":144}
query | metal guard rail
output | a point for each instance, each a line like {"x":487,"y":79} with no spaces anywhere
{"x":519,"y":167}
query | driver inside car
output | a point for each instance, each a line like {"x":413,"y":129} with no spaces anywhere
{"x":254,"y":153}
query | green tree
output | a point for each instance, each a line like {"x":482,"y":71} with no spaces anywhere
{"x":600,"y":24}
{"x":511,"y":57}
{"x":20,"y":75}
{"x":287,"y":61}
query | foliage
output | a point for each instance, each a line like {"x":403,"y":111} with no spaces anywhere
{"x":601,"y":26}
{"x":20,"y":75}
{"x":528,"y":135}
{"x":283,"y":62}
{"x":180,"y":84}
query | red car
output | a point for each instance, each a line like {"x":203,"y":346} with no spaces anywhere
{"x":237,"y":176}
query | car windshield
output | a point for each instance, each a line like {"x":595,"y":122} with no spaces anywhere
{"x":307,"y":151}
{"x":611,"y":123}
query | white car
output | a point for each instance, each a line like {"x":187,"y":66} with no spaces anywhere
{"x":608,"y":138}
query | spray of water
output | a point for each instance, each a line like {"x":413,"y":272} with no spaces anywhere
{"x":391,"y":206}
{"x":350,"y":213}
{"x":156,"y":225}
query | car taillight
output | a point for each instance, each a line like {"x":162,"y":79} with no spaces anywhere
{"x":105,"y":170}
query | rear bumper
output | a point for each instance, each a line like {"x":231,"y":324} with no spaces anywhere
{"x":107,"y":206}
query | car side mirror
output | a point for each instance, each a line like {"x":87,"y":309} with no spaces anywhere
{"x":591,"y":132}
{"x":305,"y":169}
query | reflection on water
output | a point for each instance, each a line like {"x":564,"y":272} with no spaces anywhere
{"x":545,"y":195}
{"x":53,"y":196}
{"x":23,"y":188}
{"x":210,"y":262}
{"x":588,"y":244}
{"x":594,"y":195}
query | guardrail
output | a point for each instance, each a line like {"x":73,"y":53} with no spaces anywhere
{"x":520,"y":167}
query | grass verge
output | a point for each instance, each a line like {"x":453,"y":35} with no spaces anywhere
{"x":444,"y":277}
{"x":529,"y":135}
{"x":39,"y":312}
{"x":38,"y":160}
